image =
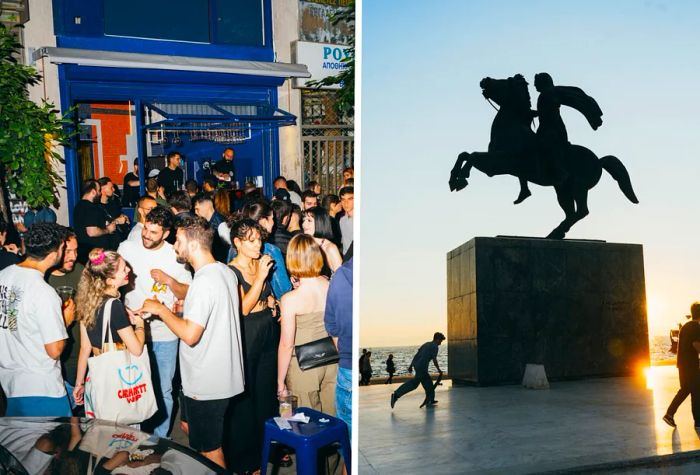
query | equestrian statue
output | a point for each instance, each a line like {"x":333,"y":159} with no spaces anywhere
{"x":545,"y":157}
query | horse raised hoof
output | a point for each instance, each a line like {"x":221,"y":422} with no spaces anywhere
{"x":458,"y":183}
{"x":458,"y":176}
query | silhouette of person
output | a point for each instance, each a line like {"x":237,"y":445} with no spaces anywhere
{"x":390,"y":368}
{"x":361,"y":364}
{"x":552,"y":137}
{"x":688,"y":373}
{"x":366,"y":368}
{"x":426,"y":353}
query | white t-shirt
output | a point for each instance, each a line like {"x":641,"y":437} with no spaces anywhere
{"x":142,"y":261}
{"x":296,"y":199}
{"x":135,"y":233}
{"x":30,"y":317}
{"x":213,"y":368}
{"x":346,"y":232}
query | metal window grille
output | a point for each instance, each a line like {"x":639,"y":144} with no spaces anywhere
{"x":327,"y":141}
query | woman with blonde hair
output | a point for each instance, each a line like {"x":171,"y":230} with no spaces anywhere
{"x":105,"y":272}
{"x":302,"y":322}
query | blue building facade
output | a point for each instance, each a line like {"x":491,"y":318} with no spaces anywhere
{"x":148,"y":78}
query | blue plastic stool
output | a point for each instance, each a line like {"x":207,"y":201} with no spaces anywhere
{"x":306,"y":439}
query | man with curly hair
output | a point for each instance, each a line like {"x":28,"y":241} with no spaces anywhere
{"x":32,"y":331}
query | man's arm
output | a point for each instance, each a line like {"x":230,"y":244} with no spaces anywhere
{"x":186,"y":330}
{"x":55,"y":348}
{"x":437,"y":366}
{"x":178,"y":289}
{"x":94,"y":231}
{"x":696,"y":345}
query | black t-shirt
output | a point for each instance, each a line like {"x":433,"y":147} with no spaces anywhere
{"x":280,"y":238}
{"x":8,"y":258}
{"x":117,"y":321}
{"x":69,"y":357}
{"x":112,"y":208}
{"x":225,"y":166}
{"x":171,"y":180}
{"x":687,"y":354}
{"x":131,"y":193}
{"x":86,"y":214}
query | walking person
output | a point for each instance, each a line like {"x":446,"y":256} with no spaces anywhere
{"x":303,"y":322}
{"x":158,"y":274}
{"x":390,"y":368}
{"x":426,"y":353}
{"x":32,"y":330}
{"x":211,"y":350}
{"x":688,"y":365}
{"x":261,"y":330}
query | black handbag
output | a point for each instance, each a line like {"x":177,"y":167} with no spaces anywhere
{"x":317,"y":353}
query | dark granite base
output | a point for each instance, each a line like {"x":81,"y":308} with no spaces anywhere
{"x":578,"y":307}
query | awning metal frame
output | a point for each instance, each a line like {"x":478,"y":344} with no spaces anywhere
{"x":224,"y":119}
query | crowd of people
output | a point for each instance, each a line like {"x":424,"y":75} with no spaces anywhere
{"x":230,"y":285}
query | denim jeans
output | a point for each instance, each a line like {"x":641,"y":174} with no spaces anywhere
{"x":343,"y":397}
{"x":163,"y":362}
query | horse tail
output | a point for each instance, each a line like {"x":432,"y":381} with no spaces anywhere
{"x":618,"y":171}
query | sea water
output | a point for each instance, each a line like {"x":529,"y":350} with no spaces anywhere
{"x":659,"y":349}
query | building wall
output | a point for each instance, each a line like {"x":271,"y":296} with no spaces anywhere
{"x":38,"y":32}
{"x":286,"y":30}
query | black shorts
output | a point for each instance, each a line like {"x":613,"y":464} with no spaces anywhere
{"x":205,"y":420}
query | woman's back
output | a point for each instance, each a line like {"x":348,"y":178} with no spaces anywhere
{"x":310,"y":327}
{"x":309,"y":297}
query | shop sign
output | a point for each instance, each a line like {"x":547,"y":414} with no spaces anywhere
{"x":322,"y":59}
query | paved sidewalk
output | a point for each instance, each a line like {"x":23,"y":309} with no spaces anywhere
{"x":509,"y":429}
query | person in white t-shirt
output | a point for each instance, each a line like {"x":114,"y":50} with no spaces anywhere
{"x":211,"y":358}
{"x":347,"y":201}
{"x":280,"y":183}
{"x":143,"y":207}
{"x":157,"y":275}
{"x":32,"y":331}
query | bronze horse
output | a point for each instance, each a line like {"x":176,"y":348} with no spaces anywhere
{"x":514,"y":150}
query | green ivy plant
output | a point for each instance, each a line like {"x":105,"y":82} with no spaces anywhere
{"x":345,"y":103}
{"x":30,"y":133}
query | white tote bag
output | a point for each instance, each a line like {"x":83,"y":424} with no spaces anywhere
{"x":118,"y":387}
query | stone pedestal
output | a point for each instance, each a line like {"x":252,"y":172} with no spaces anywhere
{"x":577,"y":307}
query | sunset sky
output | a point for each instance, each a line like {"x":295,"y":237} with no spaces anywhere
{"x":422,"y":105}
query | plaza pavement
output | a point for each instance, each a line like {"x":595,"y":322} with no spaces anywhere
{"x":596,"y":425}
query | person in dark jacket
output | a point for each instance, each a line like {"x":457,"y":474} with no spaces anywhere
{"x":338,"y":321}
{"x":390,"y":368}
{"x":280,"y":237}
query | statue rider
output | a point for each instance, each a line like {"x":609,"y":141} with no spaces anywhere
{"x":552,"y":138}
